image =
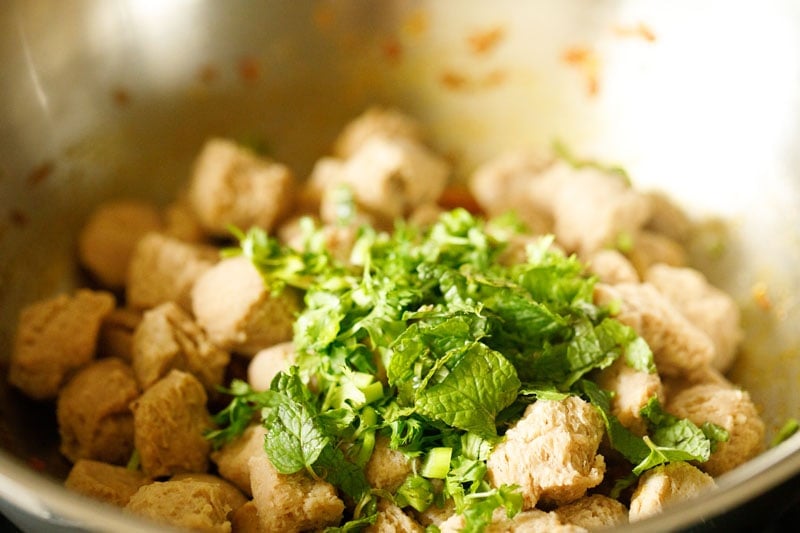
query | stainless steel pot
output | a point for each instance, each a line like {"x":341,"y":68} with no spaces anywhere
{"x":700,"y":99}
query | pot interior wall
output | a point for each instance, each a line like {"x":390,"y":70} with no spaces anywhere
{"x":110,"y":99}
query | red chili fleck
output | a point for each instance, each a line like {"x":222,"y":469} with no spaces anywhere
{"x":483,"y":41}
{"x":453,"y":80}
{"x":392,"y":50}
{"x":121,"y":96}
{"x":18,"y":218}
{"x":249,"y":69}
{"x":459,"y":196}
{"x":40,"y":173}
{"x":37,"y":463}
{"x":588,"y":63}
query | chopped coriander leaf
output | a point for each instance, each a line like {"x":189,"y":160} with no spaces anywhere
{"x":238,"y":414}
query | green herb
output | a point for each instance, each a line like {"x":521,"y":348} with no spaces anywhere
{"x":479,"y":515}
{"x":238,"y":414}
{"x":787,"y":430}
{"x":676,"y":439}
{"x":466,"y":343}
{"x":256,"y":144}
{"x":630,"y":445}
{"x":135,"y":461}
{"x":567,"y":155}
{"x":416,"y":492}
{"x":295,"y":437}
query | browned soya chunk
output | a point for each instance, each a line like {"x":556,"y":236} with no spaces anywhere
{"x":94,"y":416}
{"x":107,"y":241}
{"x":170,"y":420}
{"x":105,"y":482}
{"x":197,"y":503}
{"x":238,"y":311}
{"x":593,"y":512}
{"x":665,"y":485}
{"x":707,"y":307}
{"x":54,"y":339}
{"x":730,"y":408}
{"x":233,"y":459}
{"x":376,"y":121}
{"x":231,"y":186}
{"x":294,"y":502}
{"x":164,"y":269}
{"x":679,"y":347}
{"x":388,"y":178}
{"x":551,"y":452}
{"x":167,"y":338}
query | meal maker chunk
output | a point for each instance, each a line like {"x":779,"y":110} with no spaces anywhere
{"x":195,"y":504}
{"x":293,"y":502}
{"x":55,"y":338}
{"x":551,"y":453}
{"x":94,"y":416}
{"x":170,"y":420}
{"x":232,"y":186}
{"x":109,"y":237}
{"x":164,"y":269}
{"x":167,"y":338}
{"x":238,"y":311}
{"x":112,"y":484}
{"x":665,"y":485}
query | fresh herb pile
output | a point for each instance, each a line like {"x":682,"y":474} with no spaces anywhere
{"x":429,"y":338}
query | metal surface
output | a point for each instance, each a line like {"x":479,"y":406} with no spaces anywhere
{"x":100,"y":99}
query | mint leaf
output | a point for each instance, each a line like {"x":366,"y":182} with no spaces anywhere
{"x":333,"y":466}
{"x":479,"y":385}
{"x":630,"y":445}
{"x":638,"y":355}
{"x":675,"y":439}
{"x":519,"y":317}
{"x":294,"y":438}
{"x":426,"y":347}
